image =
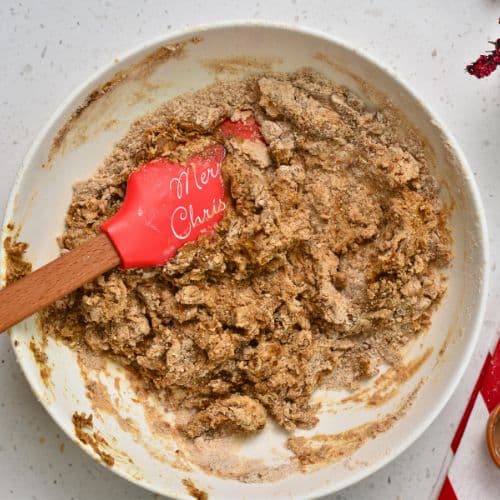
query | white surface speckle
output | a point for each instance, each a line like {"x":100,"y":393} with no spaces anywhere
{"x":50,"y":46}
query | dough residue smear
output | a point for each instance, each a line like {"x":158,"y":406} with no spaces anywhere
{"x":328,"y":261}
{"x":193,"y":490}
{"x":83,"y":425}
{"x":16,"y":264}
{"x":92,"y":366}
{"x":41,"y":360}
{"x":322,"y":449}
{"x":222,"y":457}
{"x":141,"y":69}
{"x":387,"y":385}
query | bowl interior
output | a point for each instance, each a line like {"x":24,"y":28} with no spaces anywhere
{"x":42,"y":194}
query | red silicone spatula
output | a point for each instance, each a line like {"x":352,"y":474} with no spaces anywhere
{"x":166,"y":205}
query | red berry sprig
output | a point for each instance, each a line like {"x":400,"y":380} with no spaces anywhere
{"x":486,"y":64}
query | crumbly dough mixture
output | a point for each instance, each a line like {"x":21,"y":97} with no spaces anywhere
{"x":327,"y":262}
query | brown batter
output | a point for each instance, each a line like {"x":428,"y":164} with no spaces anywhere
{"x":326,"y":263}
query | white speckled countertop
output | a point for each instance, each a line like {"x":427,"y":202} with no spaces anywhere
{"x":50,"y":46}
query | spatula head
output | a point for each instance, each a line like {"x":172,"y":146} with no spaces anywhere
{"x":243,"y":129}
{"x":167,"y":205}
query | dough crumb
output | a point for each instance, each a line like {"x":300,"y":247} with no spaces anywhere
{"x":233,"y":414}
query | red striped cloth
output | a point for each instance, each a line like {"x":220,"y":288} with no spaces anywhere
{"x":472,"y":475}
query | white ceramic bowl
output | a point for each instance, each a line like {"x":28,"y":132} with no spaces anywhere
{"x":41,"y":196}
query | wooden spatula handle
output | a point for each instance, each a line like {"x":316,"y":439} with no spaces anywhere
{"x":56,"y":279}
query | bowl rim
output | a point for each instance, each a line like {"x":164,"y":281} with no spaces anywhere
{"x":89,"y":84}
